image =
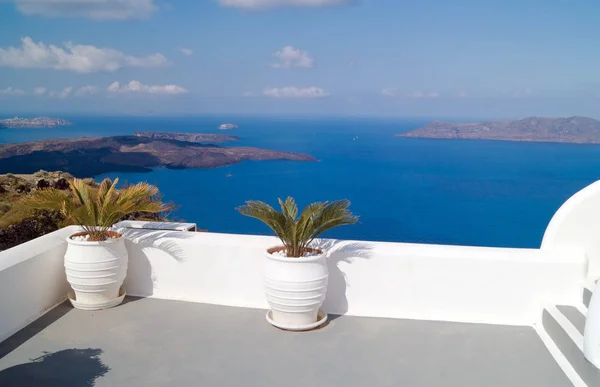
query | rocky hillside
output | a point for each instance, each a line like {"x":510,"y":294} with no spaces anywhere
{"x":581,"y":130}
{"x":87,"y":156}
{"x":12,"y":187}
{"x":189,"y":137}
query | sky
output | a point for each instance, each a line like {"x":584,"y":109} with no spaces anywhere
{"x":425,"y":58}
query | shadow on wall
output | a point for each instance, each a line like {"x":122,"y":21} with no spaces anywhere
{"x":341,"y":251}
{"x":69,"y":367}
{"x":137,"y":241}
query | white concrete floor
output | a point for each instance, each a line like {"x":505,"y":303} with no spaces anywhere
{"x":149,"y":342}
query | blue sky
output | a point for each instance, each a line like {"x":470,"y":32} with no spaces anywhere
{"x":434,"y":58}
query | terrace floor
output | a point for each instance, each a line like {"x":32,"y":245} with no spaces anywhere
{"x":150,"y":342}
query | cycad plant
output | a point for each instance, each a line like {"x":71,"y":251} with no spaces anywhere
{"x":298,"y":232}
{"x":96,"y":209}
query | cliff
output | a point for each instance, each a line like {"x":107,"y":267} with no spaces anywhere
{"x":86,"y":156}
{"x":189,"y":137}
{"x":568,"y":130}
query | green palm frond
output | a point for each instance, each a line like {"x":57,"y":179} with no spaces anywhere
{"x":298,"y":232}
{"x":96,"y":209}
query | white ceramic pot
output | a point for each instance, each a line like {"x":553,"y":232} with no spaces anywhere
{"x":295,"y":289}
{"x":96,"y":271}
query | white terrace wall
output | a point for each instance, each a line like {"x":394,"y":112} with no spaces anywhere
{"x":32,"y":280}
{"x":396,"y":280}
{"x":576,"y":227}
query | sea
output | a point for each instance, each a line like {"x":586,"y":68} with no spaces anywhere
{"x":459,"y":192}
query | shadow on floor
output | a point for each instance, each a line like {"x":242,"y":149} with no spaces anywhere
{"x":130,"y":299}
{"x":69,"y":367}
{"x":13,"y":342}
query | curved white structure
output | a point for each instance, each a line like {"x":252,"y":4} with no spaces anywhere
{"x":295,"y":289}
{"x":575,"y":228}
{"x":96,"y":271}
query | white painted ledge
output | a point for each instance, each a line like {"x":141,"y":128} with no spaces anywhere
{"x":377,"y":279}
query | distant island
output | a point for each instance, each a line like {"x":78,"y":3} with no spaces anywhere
{"x":85,"y":156}
{"x":38,"y":122}
{"x":579,"y":130}
{"x":189,"y":137}
{"x":228,"y":126}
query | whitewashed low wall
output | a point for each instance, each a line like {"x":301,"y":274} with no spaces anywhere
{"x":32,"y":280}
{"x":576,"y":227}
{"x":396,"y":280}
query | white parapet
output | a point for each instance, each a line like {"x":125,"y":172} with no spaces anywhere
{"x":32,"y":280}
{"x":378,"y":279}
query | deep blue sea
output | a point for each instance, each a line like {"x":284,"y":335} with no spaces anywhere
{"x":483,"y":193}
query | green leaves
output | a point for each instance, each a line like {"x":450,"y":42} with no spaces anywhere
{"x":97,"y":209}
{"x":296,"y":233}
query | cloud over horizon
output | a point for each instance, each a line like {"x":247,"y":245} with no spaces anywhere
{"x":74,"y":57}
{"x":186,"y":51}
{"x":39,"y":91}
{"x":11,"y":91}
{"x":295,"y":92}
{"x":138,"y":87}
{"x":254,"y":4}
{"x":292,"y":57}
{"x":86,"y":90}
{"x":93,"y":9}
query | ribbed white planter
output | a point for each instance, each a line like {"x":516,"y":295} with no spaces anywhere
{"x":96,"y":271}
{"x":295,"y":290}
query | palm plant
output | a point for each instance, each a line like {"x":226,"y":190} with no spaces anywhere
{"x":96,"y":209}
{"x":298,"y":232}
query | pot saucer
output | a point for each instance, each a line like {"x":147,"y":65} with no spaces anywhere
{"x":322,"y":319}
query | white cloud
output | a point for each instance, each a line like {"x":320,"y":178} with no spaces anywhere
{"x":64,"y":93}
{"x":186,"y":51}
{"x":394,"y":92}
{"x":293,"y":57}
{"x":460,"y":94}
{"x":138,"y":87}
{"x":390,"y":91}
{"x":421,"y":95}
{"x":76,"y":57}
{"x":39,"y":91}
{"x":250,"y":4}
{"x":295,"y":92}
{"x":10,"y":91}
{"x":86,"y":90}
{"x":93,"y":9}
